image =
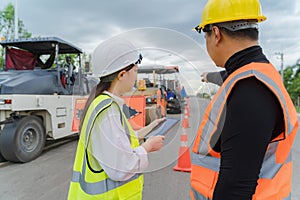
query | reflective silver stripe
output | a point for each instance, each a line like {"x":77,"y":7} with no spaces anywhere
{"x":288,"y":198}
{"x":208,"y":162}
{"x":99,"y":187}
{"x":269,"y":166}
{"x":279,"y":92}
{"x":198,"y":196}
{"x":211,"y":123}
{"x":95,"y":112}
{"x":262,"y":77}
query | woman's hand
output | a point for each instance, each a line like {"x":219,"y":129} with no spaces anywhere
{"x":154,"y":143}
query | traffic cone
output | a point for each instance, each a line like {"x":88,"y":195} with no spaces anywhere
{"x":188,"y":109}
{"x":188,"y":101}
{"x":184,"y":158}
{"x":185,"y":121}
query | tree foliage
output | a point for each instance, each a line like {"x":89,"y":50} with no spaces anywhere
{"x":7,"y":27}
{"x":292,"y":81}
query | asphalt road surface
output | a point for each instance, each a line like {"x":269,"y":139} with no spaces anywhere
{"x":48,"y":176}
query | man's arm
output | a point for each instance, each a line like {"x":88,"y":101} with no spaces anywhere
{"x":214,"y":77}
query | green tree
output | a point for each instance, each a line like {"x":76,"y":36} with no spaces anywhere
{"x":292,"y":81}
{"x":7,"y":27}
{"x":7,"y":24}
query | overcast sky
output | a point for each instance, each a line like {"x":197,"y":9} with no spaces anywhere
{"x":88,"y":22}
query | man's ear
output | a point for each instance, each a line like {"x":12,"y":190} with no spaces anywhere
{"x":216,"y":34}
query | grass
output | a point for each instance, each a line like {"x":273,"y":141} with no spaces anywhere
{"x":298,"y":109}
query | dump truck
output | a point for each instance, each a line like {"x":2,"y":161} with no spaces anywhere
{"x":41,"y":95}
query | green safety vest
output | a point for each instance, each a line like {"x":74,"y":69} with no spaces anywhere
{"x":89,"y":181}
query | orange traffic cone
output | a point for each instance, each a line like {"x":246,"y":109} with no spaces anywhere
{"x":188,"y":101}
{"x":189,"y":106}
{"x":184,"y":158}
{"x":185,"y":121}
{"x":188,"y":110}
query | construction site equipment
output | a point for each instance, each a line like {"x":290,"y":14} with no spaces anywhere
{"x":41,"y":97}
{"x":152,"y":88}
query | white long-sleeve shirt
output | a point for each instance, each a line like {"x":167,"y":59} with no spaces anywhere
{"x":111,"y":147}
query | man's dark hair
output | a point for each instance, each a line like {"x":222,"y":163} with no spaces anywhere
{"x":249,"y":33}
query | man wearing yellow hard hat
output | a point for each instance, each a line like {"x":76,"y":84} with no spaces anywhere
{"x":243,"y":146}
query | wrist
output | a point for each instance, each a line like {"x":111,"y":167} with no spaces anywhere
{"x":147,"y":147}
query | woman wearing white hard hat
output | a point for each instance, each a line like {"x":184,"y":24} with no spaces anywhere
{"x":109,"y":160}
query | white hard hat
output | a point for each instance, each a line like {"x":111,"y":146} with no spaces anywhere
{"x":113,"y":55}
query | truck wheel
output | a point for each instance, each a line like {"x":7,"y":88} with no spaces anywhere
{"x":23,"y":140}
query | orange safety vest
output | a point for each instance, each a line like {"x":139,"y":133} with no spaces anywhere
{"x":275,"y":177}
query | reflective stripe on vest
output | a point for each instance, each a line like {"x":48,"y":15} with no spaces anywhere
{"x":105,"y":185}
{"x":206,"y":159}
{"x":197,"y":196}
{"x":98,"y":187}
{"x":102,"y":105}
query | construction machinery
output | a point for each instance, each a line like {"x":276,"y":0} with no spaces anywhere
{"x":41,"y":95}
{"x":150,"y":100}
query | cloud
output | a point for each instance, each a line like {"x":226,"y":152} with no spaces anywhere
{"x":87,"y":23}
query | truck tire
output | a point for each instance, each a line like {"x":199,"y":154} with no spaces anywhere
{"x":23,"y":140}
{"x":175,"y":107}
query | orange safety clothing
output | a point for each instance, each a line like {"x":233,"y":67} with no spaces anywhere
{"x":274,"y":181}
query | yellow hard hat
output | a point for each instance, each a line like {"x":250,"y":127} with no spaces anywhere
{"x":217,"y":11}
